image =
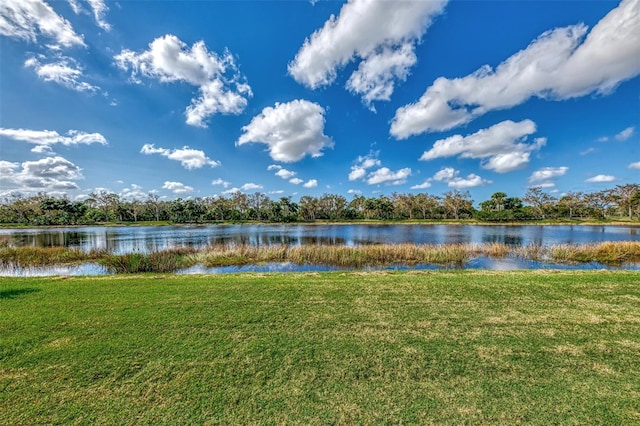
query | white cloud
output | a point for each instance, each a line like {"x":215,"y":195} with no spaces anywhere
{"x":376,"y":75}
{"x":29,"y":19}
{"x":543,"y":176}
{"x":75,"y":6}
{"x":274,"y":167}
{"x":601,"y":178}
{"x":471,"y":181}
{"x":354,"y":191}
{"x":134,"y":192}
{"x":543,"y":185}
{"x":587,"y":151}
{"x":359,"y":170}
{"x":64,"y":71}
{"x":389,"y":177}
{"x":625,"y":134}
{"x":47,"y":174}
{"x":224,"y":183}
{"x":46,"y":138}
{"x":445,"y":174}
{"x":559,"y":64}
{"x":42,"y":149}
{"x":502,"y":146}
{"x":222,"y":88}
{"x":296,"y":181}
{"x":177,"y":187}
{"x":424,"y":185}
{"x":603,"y":139}
{"x":382,"y":34}
{"x":452,"y":177}
{"x":231,"y":191}
{"x":250,"y":186}
{"x":285,"y":174}
{"x":312,"y":183}
{"x":291,"y":130}
{"x":189,"y":158}
{"x":635,"y":166}
{"x":279,"y":191}
{"x":99,"y":9}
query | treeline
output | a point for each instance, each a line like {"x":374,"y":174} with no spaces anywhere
{"x":103,"y":206}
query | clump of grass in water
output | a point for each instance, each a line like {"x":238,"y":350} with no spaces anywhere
{"x":608,"y":253}
{"x":343,"y":256}
{"x":169,"y":260}
{"x":43,"y":256}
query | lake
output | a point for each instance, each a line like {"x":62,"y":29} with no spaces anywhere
{"x":148,"y":238}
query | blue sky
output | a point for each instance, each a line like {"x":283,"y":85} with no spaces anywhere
{"x":291,"y":98}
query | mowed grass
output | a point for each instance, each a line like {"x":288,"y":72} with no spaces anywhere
{"x":540,"y":347}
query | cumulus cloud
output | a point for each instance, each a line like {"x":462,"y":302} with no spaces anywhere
{"x":221,"y":87}
{"x":44,"y":139}
{"x":601,"y":178}
{"x":221,"y":182}
{"x":501,"y":147}
{"x":625,"y":134}
{"x":296,"y":181}
{"x":311,"y":183}
{"x":388,"y":177}
{"x":250,"y":186}
{"x":560,"y":64}
{"x":375,"y":78}
{"x":43,"y":150}
{"x":285,"y":174}
{"x":452,"y":178}
{"x":177,"y":187}
{"x":543,"y":177}
{"x":134,"y":192}
{"x":354,"y":191}
{"x":359,"y":170}
{"x":635,"y":166}
{"x":64,"y":71}
{"x":291,"y":130}
{"x":424,"y":185}
{"x":29,"y":19}
{"x":47,"y":174}
{"x":380,"y":34}
{"x":246,"y":187}
{"x":189,"y":158}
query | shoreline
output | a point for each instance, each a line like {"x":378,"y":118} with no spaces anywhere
{"x":444,"y":222}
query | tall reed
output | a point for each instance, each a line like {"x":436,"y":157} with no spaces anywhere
{"x":171,"y":260}
{"x":43,"y":256}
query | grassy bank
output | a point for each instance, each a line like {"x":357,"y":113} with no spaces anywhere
{"x":337,"y":348}
{"x":170,"y":260}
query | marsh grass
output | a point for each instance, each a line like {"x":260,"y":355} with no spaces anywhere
{"x":174,"y":259}
{"x":344,"y":256}
{"x":608,"y":253}
{"x":44,"y":256}
{"x":169,"y":260}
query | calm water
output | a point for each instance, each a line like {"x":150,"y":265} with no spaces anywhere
{"x":142,"y":239}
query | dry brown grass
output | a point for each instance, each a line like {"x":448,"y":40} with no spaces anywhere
{"x":608,"y":253}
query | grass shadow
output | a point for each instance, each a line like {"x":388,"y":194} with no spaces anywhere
{"x":16,"y":292}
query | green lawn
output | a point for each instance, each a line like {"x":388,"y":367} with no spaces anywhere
{"x":337,"y":348}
